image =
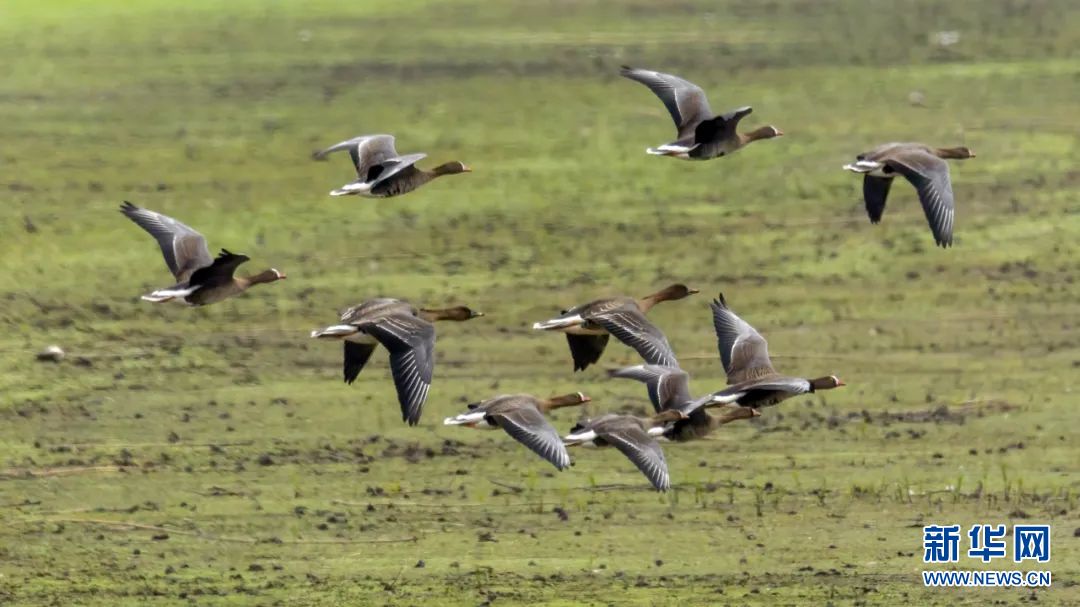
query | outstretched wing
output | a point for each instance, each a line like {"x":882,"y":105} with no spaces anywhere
{"x":184,"y":249}
{"x":669,"y":387}
{"x":930,"y":176}
{"x":629,"y":325}
{"x":366,"y":151}
{"x":875,"y":192}
{"x":389,"y":168}
{"x":636,"y":444}
{"x":743,"y":351}
{"x":218,"y":272}
{"x":527,"y":425}
{"x":411,"y":343}
{"x":586,"y":349}
{"x":684,"y":100}
{"x":356,"y":356}
{"x":710,"y":129}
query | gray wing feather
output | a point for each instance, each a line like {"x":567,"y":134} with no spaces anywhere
{"x":393,"y":166}
{"x":643,"y":450}
{"x":684,"y":100}
{"x":668,"y":387}
{"x":365,"y":151}
{"x":630,"y":326}
{"x":930,"y":176}
{"x":184,"y":249}
{"x":528,"y":426}
{"x":743,"y":351}
{"x":411,"y":343}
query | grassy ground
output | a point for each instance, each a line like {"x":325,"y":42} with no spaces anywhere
{"x":212,"y":456}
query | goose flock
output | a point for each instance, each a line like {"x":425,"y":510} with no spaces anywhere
{"x":407,"y":332}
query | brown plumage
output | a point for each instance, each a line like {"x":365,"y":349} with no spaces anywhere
{"x":200,"y":279}
{"x":588,"y":327}
{"x":522,"y":417}
{"x":701,"y":135}
{"x":381,"y":172}
{"x":406,"y":332}
{"x":925,"y":168}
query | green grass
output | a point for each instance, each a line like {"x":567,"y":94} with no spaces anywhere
{"x":226,"y":433}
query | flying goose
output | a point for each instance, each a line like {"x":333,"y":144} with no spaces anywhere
{"x":200,"y":279}
{"x":381,"y":172}
{"x":925,"y":168}
{"x":588,"y":326}
{"x":403,"y":330}
{"x":701,"y":134}
{"x":634,"y":437}
{"x":669,"y":388}
{"x":752,"y":380}
{"x":522,"y":417}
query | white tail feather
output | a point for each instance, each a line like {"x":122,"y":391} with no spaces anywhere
{"x":863,"y":166}
{"x":581,"y":437}
{"x":471,"y":417}
{"x":678,"y":151}
{"x":335,"y":331}
{"x":559,"y":323}
{"x":163,"y":295}
{"x":718,"y":399}
{"x":358,"y":187}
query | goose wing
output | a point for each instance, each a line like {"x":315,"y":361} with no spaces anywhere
{"x":586,"y":349}
{"x":411,"y":343}
{"x":220,"y":271}
{"x":390,"y":167}
{"x":356,"y":356}
{"x":875,"y":192}
{"x":720,"y":127}
{"x":743,"y":351}
{"x":635,"y":443}
{"x":366,"y":151}
{"x":669,"y":387}
{"x":184,"y":249}
{"x":684,"y":100}
{"x":777,"y":383}
{"x":629,"y":325}
{"x":930,"y":176}
{"x":528,"y":426}
{"x":373,"y":308}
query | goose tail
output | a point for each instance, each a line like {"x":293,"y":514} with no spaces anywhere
{"x":335,"y":331}
{"x":578,"y":438}
{"x":356,"y":187}
{"x":863,"y":166}
{"x":163,"y":295}
{"x":465,"y":419}
{"x":555,"y":324}
{"x":670,"y":149}
{"x":724,"y":398}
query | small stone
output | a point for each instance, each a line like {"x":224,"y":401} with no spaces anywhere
{"x":52,"y":354}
